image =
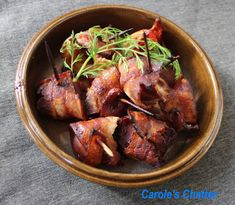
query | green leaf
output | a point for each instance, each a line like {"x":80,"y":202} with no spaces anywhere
{"x":78,"y":58}
{"x":177,"y":69}
{"x":66,"y":65}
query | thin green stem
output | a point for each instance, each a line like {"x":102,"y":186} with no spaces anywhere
{"x":82,"y":68}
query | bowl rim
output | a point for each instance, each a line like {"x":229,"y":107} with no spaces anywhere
{"x":95,"y":174}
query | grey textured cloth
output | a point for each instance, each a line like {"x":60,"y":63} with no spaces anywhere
{"x":27,"y":176}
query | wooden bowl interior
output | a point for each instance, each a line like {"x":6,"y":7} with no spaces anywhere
{"x":192,"y":62}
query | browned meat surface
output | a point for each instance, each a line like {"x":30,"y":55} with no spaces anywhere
{"x":138,"y":86}
{"x":133,"y":71}
{"x":85,"y":136}
{"x":112,"y":106}
{"x":81,"y":87}
{"x":141,"y":89}
{"x":160,"y":93}
{"x":135,"y":146}
{"x":59,"y":100}
{"x":180,"y":106}
{"x":154,"y":33}
{"x":101,"y":90}
{"x":145,"y":138}
{"x":154,"y":130}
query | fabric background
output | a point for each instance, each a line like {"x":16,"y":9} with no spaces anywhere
{"x":28,"y":177}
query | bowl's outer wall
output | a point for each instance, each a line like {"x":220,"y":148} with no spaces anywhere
{"x":194,"y":63}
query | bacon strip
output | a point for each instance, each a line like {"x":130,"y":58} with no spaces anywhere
{"x":103,"y":87}
{"x":144,"y":138}
{"x":155,"y":32}
{"x":135,"y":146}
{"x":181,"y":107}
{"x":59,"y":100}
{"x":154,"y":130}
{"x":85,"y":135}
{"x":160,"y":93}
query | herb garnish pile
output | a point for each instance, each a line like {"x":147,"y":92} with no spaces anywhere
{"x":123,"y":48}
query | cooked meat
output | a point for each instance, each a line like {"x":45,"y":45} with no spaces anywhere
{"x":154,"y":33}
{"x":141,"y":88}
{"x":86,"y":136}
{"x":66,"y":53}
{"x":119,"y":71}
{"x":82,"y":85}
{"x":131,"y":72}
{"x":180,"y":106}
{"x":152,"y":129}
{"x":112,"y":106}
{"x":135,"y":146}
{"x":160,"y":93}
{"x":100,"y":89}
{"x":59,"y":100}
{"x":144,"y":138}
{"x":83,"y":39}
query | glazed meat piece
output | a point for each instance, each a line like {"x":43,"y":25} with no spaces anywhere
{"x":140,"y":87}
{"x":105,"y":89}
{"x":159,"y":92}
{"x":87,"y":138}
{"x":135,"y":146}
{"x":133,"y":71}
{"x":112,"y":104}
{"x":58,"y":99}
{"x":145,"y":138}
{"x":154,"y":33}
{"x":141,"y":90}
{"x":180,"y":106}
{"x":152,"y":129}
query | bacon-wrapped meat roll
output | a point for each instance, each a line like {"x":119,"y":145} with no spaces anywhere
{"x":180,"y":106}
{"x":88,"y":138}
{"x":59,"y":99}
{"x":159,"y":92}
{"x":140,"y":87}
{"x":102,"y":96}
{"x":145,"y":138}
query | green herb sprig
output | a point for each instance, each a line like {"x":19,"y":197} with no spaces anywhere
{"x":71,"y":46}
{"x":123,"y":48}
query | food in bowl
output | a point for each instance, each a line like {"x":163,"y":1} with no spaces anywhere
{"x":126,"y":92}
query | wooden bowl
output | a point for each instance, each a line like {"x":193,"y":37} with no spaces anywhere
{"x":52,"y":136}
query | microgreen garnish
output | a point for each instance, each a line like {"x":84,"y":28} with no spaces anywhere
{"x":71,"y":46}
{"x":122,"y":46}
{"x":120,"y":33}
